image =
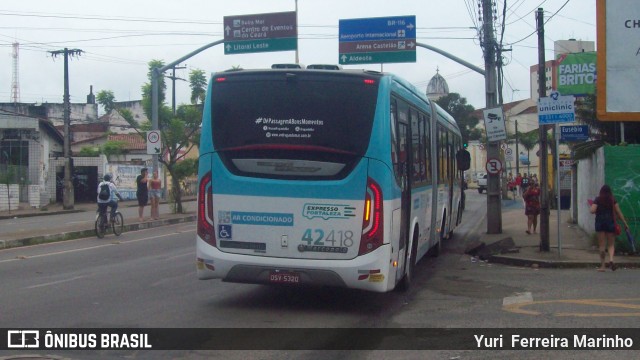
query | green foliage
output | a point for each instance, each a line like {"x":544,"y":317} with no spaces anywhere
{"x":9,"y":175}
{"x":528,"y":140}
{"x":107,"y":99}
{"x":185,"y":168}
{"x":89,"y":151}
{"x":114,"y":148}
{"x":457,"y":106}
{"x":198,"y":84}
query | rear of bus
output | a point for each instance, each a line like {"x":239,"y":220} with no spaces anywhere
{"x":290,"y":187}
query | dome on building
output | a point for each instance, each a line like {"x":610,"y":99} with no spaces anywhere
{"x":437,"y":87}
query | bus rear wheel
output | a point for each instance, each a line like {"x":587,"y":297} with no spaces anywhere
{"x":405,"y":284}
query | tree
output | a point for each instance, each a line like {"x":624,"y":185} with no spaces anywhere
{"x":8,"y":177}
{"x":178,"y":131}
{"x":107,"y":99}
{"x":198,"y":84}
{"x":457,"y":106}
{"x":528,"y":140}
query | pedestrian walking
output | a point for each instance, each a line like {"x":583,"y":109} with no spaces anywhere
{"x":519,"y":183}
{"x":524,"y":183}
{"x":532,"y":206}
{"x":606,"y":209}
{"x":142,"y":192}
{"x":155,"y":185}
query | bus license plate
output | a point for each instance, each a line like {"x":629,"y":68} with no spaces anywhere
{"x":284,"y":278}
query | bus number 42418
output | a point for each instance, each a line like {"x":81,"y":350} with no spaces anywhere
{"x":333,"y":238}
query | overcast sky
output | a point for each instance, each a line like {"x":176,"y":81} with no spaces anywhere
{"x":120,"y":37}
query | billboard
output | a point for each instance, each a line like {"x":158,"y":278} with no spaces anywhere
{"x":618,"y":65}
{"x":577,"y":73}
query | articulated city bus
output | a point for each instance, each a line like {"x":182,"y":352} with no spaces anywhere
{"x":323,"y":177}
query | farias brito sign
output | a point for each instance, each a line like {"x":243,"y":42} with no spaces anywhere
{"x":577,"y":73}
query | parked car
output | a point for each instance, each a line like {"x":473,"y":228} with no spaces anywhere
{"x":482,"y":182}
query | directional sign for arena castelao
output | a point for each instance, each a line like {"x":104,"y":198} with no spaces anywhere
{"x":556,"y":109}
{"x":260,"y":33}
{"x":377,"y":40}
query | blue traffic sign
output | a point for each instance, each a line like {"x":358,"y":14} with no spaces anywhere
{"x":574,"y":133}
{"x":377,"y":40}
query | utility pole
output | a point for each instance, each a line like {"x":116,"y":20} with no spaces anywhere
{"x":543,"y":157}
{"x":173,"y":86}
{"x":517,"y":150}
{"x":494,"y":203}
{"x":68,"y":198}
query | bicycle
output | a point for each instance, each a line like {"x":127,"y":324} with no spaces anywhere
{"x":102,"y":224}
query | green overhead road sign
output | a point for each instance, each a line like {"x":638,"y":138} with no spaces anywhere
{"x":260,"y":33}
{"x":377,"y":40}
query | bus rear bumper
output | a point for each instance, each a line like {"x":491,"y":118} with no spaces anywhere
{"x":369,"y":272}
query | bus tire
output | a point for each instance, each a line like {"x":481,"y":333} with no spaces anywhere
{"x":405,"y":283}
{"x":436,"y":250}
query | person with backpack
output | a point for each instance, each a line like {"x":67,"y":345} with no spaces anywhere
{"x":107,"y":194}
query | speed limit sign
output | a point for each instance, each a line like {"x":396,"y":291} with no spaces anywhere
{"x":493,"y":166}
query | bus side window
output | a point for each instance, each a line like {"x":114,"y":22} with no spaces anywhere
{"x":427,"y":142}
{"x":395,"y":158}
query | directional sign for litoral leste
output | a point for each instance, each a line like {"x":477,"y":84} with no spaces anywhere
{"x":154,"y":145}
{"x":556,"y":109}
{"x":377,"y":40}
{"x":260,"y":33}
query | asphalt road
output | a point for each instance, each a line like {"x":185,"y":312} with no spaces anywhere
{"x":146,"y":279}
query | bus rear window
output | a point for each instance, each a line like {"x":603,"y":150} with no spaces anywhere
{"x":306,"y":118}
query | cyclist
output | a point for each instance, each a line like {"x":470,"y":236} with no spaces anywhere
{"x":104,"y":202}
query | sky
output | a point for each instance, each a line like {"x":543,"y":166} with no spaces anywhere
{"x":118,"y":39}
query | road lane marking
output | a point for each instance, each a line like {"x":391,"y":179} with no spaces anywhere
{"x":518,"y":298}
{"x":625,"y":304}
{"x":55,"y":282}
{"x":87,"y":248}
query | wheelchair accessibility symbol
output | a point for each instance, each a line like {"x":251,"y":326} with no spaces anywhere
{"x":224,"y":231}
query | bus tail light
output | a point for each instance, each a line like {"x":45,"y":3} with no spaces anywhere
{"x":205,"y":210}
{"x":372,"y":222}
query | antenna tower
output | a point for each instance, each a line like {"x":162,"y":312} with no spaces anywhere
{"x":15,"y":82}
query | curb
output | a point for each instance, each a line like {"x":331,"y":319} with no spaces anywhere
{"x":42,"y":213}
{"x":549,"y":264}
{"x":71,"y":235}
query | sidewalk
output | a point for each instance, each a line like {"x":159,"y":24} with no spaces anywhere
{"x":577,"y":248}
{"x":69,"y":231}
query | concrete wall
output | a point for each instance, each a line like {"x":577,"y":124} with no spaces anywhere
{"x":590,"y":179}
{"x":618,"y":167}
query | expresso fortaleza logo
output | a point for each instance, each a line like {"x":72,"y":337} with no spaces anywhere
{"x":328,"y":211}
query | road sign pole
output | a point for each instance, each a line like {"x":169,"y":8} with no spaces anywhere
{"x":558,"y":185}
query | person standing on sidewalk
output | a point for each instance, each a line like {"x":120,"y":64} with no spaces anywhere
{"x":519,"y":184}
{"x":155,"y":185}
{"x":606,"y":209}
{"x":142,"y":192}
{"x":524,"y":184}
{"x":532,"y":206}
